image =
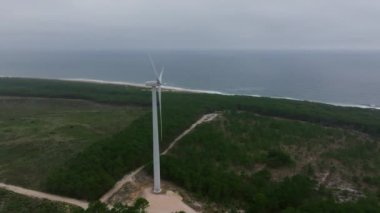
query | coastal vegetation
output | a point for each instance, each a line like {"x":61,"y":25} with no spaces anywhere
{"x":264,"y":164}
{"x":261,"y":154}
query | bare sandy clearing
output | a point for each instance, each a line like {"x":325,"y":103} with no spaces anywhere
{"x":165,"y":203}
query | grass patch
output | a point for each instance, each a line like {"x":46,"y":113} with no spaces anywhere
{"x":39,"y":135}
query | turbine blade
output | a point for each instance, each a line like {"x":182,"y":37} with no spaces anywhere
{"x":162,"y":72}
{"x":160,"y":108}
{"x":153,"y":66}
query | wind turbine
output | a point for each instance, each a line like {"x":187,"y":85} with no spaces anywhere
{"x":156,"y":89}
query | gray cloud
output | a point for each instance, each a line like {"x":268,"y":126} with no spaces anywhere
{"x":195,"y":24}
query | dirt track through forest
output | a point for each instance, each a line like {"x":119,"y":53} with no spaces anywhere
{"x":43,"y":195}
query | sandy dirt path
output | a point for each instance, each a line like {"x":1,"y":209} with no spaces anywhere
{"x":43,"y":195}
{"x":130,"y":177}
{"x":127,"y":178}
{"x":203,"y":119}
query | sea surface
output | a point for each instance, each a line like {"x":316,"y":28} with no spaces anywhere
{"x":341,"y":77}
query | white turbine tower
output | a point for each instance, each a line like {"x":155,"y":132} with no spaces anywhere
{"x":156,"y":89}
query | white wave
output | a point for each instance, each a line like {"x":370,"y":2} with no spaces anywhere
{"x":356,"y":105}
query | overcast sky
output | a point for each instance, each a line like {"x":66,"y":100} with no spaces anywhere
{"x":189,"y":24}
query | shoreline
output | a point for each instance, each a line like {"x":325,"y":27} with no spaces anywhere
{"x":181,"y":89}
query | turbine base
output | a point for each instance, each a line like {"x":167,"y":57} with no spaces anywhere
{"x":157,"y":191}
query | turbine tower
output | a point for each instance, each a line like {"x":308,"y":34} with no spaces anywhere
{"x":156,"y":89}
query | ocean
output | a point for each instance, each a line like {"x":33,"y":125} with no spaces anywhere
{"x":340,"y":77}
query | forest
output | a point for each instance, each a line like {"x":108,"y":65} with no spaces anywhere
{"x":220,"y":170}
{"x":245,"y":161}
